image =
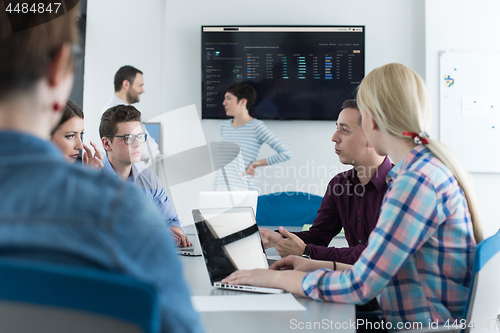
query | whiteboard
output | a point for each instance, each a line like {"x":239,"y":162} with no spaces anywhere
{"x":470,"y":107}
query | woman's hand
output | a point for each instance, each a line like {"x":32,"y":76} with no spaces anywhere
{"x":251,"y":169}
{"x":306,"y":265}
{"x":92,"y":160}
{"x":255,"y":277}
{"x":290,"y":281}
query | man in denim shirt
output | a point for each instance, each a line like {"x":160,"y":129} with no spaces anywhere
{"x":122,"y":137}
{"x":56,"y":212}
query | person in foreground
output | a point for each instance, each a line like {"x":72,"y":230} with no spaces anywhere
{"x":419,"y":257}
{"x":53,"y":211}
{"x":122,"y":138}
{"x":352,"y":200}
{"x":68,"y":136}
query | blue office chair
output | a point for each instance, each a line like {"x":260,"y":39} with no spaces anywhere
{"x":288,"y":209}
{"x":483,"y":304}
{"x":45,"y":297}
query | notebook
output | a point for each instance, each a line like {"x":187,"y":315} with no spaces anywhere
{"x":230,"y":240}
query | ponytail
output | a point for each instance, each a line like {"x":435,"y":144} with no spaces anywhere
{"x":464,"y":179}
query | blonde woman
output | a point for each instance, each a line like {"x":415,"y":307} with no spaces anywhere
{"x":419,"y":256}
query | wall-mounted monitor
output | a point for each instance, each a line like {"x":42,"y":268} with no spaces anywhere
{"x":298,"y":72}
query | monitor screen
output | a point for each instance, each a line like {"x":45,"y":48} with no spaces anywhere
{"x":153,"y":130}
{"x":303,"y":72}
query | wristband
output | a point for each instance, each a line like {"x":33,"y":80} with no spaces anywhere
{"x":306,"y":253}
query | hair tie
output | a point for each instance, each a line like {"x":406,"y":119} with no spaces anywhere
{"x":419,"y":139}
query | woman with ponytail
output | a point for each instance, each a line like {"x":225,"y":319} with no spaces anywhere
{"x":419,"y":256}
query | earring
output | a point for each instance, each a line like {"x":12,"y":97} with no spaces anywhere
{"x":56,"y":106}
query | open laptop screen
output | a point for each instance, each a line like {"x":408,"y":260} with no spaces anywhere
{"x":230,"y":240}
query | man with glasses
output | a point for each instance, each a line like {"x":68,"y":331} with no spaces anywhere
{"x":122,"y":138}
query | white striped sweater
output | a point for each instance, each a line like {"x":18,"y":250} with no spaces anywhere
{"x":249,"y":138}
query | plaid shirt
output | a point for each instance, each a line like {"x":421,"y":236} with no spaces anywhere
{"x":419,"y":256}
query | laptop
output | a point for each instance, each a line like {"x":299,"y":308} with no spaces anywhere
{"x":230,"y":240}
{"x":218,"y":199}
{"x":195,"y":249}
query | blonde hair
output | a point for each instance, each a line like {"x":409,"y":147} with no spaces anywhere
{"x":397,"y":99}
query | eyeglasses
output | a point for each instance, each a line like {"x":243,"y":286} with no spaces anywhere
{"x":130,"y":138}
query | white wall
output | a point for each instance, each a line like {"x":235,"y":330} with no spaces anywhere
{"x":464,"y":25}
{"x":119,"y":33}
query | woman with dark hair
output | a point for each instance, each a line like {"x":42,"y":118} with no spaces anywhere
{"x":249,"y":134}
{"x":68,"y":136}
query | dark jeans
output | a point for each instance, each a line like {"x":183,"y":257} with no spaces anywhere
{"x":371,"y":323}
{"x":368,"y":307}
{"x":371,"y":319}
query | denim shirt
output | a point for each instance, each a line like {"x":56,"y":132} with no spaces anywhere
{"x":56,"y":212}
{"x":149,"y":182}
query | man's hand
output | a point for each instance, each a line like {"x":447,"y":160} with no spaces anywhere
{"x":300,"y":264}
{"x":180,"y":239}
{"x":264,"y":235}
{"x":285,"y":242}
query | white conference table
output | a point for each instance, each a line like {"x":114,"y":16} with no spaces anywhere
{"x":326,"y":315}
